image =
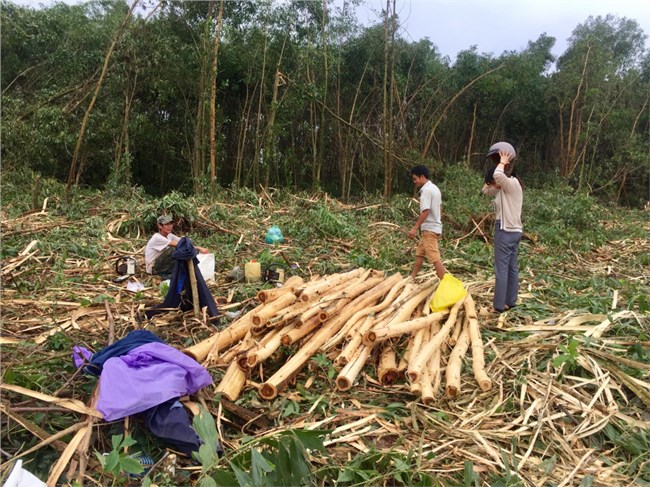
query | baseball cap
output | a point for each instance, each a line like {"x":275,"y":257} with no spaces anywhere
{"x":164,"y":219}
{"x":501,"y":146}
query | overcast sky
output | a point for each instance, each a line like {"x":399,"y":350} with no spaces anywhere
{"x":495,"y":26}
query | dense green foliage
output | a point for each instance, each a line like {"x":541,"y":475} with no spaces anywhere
{"x":300,"y":100}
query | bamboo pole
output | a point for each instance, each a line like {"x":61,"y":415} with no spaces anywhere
{"x":478,"y":358}
{"x":386,"y":332}
{"x":291,"y":312}
{"x":427,"y":392}
{"x":294,"y":282}
{"x":269,"y":389}
{"x":387,"y":286}
{"x":266,"y":349}
{"x":268,"y":295}
{"x":292,"y":336}
{"x":422,"y":336}
{"x":455,"y":363}
{"x":405,"y":311}
{"x":387,"y":368}
{"x":262,"y":316}
{"x":418,"y":363}
{"x":434,"y":362}
{"x":355,"y":342}
{"x":232,"y":382}
{"x":458,"y":328}
{"x":222,"y":339}
{"x":350,"y":372}
{"x":314,"y":291}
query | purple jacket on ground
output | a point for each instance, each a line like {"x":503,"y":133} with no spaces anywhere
{"x":145,"y":377}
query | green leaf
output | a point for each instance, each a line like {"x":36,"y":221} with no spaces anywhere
{"x":207,"y":456}
{"x":112,"y":462}
{"x":301,"y":465}
{"x":561,"y":359}
{"x":244,"y":479}
{"x":207,"y":482}
{"x":259,"y":467}
{"x":224,"y":478}
{"x":131,"y":465}
{"x":116,"y":441}
{"x":425,"y":481}
{"x":102,"y":459}
{"x":312,"y":439}
{"x":204,"y":426}
{"x":128,"y":441}
{"x":283,"y":466}
{"x":346,"y":475}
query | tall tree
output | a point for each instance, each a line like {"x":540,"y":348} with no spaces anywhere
{"x":73,"y":174}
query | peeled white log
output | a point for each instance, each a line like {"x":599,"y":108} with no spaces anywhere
{"x":478,"y":358}
{"x":419,"y":361}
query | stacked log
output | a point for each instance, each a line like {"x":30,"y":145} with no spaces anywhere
{"x":358,"y":318}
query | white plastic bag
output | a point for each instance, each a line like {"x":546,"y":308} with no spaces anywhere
{"x":20,"y":477}
{"x":206,"y":266}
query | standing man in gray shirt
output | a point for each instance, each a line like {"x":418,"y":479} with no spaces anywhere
{"x":429,"y":222}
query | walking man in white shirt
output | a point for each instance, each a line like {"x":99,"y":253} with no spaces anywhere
{"x":429,"y":222}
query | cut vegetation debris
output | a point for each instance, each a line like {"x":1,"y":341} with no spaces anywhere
{"x":397,"y":394}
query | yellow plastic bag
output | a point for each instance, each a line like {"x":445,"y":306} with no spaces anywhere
{"x":449,"y":291}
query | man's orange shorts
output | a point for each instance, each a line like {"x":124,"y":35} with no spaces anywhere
{"x":428,"y":247}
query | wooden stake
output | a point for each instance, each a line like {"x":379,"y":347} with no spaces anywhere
{"x":195,"y":290}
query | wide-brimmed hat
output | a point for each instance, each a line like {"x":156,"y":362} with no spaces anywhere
{"x":501,"y":146}
{"x":164,"y":219}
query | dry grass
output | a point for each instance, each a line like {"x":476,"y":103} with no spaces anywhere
{"x":544,"y":420}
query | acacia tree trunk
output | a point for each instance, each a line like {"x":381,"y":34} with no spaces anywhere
{"x":389,"y":70}
{"x":384,"y":111}
{"x":72,"y":173}
{"x":213,"y":103}
{"x":122,"y":175}
{"x":471,"y":138}
{"x":321,"y":134}
{"x":350,"y":141}
{"x":198,"y":153}
{"x":243,"y":133}
{"x":258,"y":118}
{"x":269,"y":136}
{"x":313,"y":136}
{"x":575,"y":125}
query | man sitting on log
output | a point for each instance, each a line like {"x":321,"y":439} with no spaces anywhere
{"x":158,"y":253}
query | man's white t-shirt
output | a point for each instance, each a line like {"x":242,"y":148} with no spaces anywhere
{"x":431,"y":199}
{"x":155,"y":246}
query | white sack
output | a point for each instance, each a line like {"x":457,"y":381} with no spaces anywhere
{"x":206,"y":266}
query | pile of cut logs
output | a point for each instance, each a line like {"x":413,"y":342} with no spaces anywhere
{"x":347,"y":316}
